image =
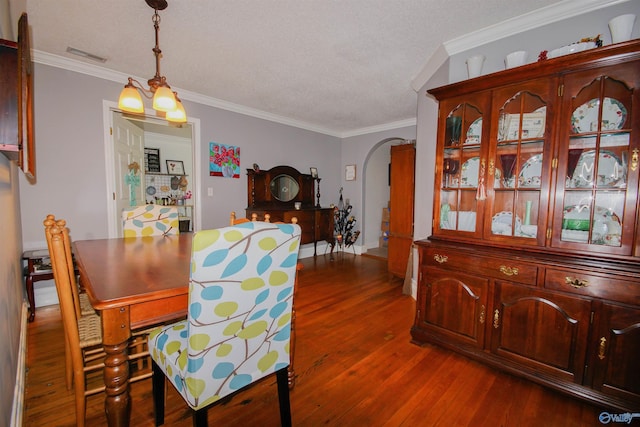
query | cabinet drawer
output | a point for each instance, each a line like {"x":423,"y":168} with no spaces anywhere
{"x":614,"y":288}
{"x":514,"y":271}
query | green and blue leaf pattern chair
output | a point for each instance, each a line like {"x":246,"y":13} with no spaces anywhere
{"x":150,"y":220}
{"x":238,"y":327}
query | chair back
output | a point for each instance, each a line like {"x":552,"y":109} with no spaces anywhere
{"x":61,"y":224}
{"x":254,"y":217}
{"x":240,"y":309}
{"x":150,"y":220}
{"x":65,"y":281}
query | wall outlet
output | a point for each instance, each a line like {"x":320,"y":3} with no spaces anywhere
{"x":210,"y":191}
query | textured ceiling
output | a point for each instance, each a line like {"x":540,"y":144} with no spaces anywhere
{"x":337,"y":65}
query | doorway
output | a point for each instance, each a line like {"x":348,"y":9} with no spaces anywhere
{"x":133,"y":139}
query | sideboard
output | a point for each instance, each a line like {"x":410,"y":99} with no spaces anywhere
{"x":283,"y":193}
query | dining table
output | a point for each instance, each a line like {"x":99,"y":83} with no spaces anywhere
{"x":134,"y":283}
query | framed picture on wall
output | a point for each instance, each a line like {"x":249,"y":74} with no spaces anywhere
{"x":350,"y":173}
{"x":152,"y":159}
{"x":175,"y":167}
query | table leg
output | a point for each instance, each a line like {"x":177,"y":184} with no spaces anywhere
{"x":31,"y":297}
{"x":116,"y":332}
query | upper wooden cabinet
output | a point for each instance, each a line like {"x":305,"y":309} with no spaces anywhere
{"x":549,"y":161}
{"x":534,"y":262}
{"x":16,"y":100}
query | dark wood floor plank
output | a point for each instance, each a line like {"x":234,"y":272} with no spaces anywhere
{"x":354,"y":362}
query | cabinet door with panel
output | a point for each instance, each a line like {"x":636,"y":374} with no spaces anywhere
{"x":542,"y":330}
{"x":598,"y":161}
{"x":454,"y":306}
{"x":463,"y":131}
{"x":617,"y":352}
{"x":519,"y":178}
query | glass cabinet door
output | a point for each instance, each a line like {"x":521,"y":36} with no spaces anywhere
{"x":518,"y":165}
{"x":460,"y":168}
{"x":598,"y":163}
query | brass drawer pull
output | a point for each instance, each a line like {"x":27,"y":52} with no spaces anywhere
{"x":441,"y":259}
{"x":509,"y":271}
{"x":576,"y":283}
{"x":496,"y":319}
{"x":602,"y":348}
{"x":482,"y":314}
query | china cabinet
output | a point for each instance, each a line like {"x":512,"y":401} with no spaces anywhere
{"x":533,"y":266}
{"x":277,"y":190}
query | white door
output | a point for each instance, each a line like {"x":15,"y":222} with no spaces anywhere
{"x":128,"y":148}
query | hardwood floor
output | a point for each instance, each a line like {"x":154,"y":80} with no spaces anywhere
{"x":354,"y":362}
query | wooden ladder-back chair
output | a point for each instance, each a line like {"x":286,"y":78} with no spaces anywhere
{"x":238,"y":327}
{"x":83,"y":334}
{"x":254,"y":217}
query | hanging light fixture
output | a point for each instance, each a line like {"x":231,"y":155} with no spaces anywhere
{"x":165,"y":100}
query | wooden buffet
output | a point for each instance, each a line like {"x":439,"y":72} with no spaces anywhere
{"x":534,"y":262}
{"x":276,"y":192}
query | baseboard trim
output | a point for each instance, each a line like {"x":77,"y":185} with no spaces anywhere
{"x":17,"y":410}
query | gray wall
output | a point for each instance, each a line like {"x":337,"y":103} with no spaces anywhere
{"x":71,"y":155}
{"x":11,"y":293}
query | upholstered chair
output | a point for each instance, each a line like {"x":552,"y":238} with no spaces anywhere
{"x":150,"y":220}
{"x":239,"y":318}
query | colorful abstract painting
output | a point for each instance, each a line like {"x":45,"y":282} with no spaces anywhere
{"x":224,"y":160}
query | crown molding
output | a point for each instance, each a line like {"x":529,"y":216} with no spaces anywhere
{"x":529,"y":21}
{"x":57,"y":61}
{"x":379,"y":128}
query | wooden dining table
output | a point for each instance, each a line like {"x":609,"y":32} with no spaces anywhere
{"x":134,"y":283}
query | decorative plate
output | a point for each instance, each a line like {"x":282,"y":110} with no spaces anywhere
{"x":474,"y":133}
{"x":469,"y":174}
{"x":585,"y":117}
{"x":151,"y":190}
{"x":531,"y":172}
{"x":610,"y":170}
{"x":605,"y":228}
{"x":501,"y":224}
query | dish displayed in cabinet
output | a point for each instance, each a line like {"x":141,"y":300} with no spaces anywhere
{"x":606,"y":228}
{"x":530,"y":175}
{"x":533,"y":125}
{"x":474,"y":134}
{"x":611,"y":171}
{"x":585,"y":117}
{"x":466,"y":220}
{"x":501,"y":223}
{"x":469,"y":174}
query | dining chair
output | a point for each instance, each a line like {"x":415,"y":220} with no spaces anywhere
{"x":294,"y":220}
{"x":84,"y":355}
{"x":238,"y":326}
{"x":150,"y":220}
{"x":254,"y":217}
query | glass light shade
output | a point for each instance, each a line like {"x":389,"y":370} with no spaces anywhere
{"x":164,"y":100}
{"x":178,"y":115}
{"x":130,"y":100}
